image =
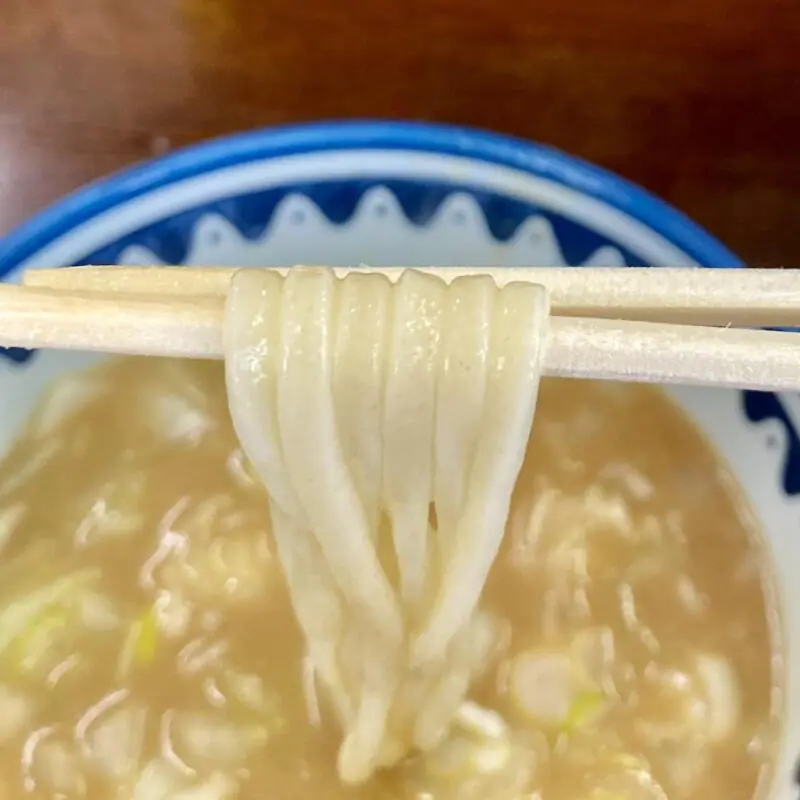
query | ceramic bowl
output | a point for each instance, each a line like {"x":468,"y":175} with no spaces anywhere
{"x":393,"y":193}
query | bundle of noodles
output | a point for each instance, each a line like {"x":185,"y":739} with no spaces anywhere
{"x":388,"y":423}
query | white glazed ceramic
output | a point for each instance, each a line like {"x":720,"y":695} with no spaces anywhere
{"x":383,"y":193}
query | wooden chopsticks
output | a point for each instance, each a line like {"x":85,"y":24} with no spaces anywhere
{"x":721,"y":297}
{"x":179,"y":312}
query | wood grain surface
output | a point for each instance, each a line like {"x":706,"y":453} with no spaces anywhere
{"x":697,"y":100}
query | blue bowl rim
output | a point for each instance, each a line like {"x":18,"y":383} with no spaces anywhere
{"x":95,"y":198}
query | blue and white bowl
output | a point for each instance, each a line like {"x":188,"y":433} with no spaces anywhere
{"x":386,"y":194}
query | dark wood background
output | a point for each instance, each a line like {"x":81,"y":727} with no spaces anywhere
{"x":698,"y":100}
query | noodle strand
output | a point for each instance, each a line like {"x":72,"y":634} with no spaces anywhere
{"x":307,"y":426}
{"x":516,"y":355}
{"x":388,"y":423}
{"x":409,"y":421}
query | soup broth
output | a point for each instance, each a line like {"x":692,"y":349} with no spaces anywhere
{"x":148,"y":648}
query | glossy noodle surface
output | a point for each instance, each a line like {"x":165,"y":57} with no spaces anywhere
{"x":148,"y":648}
{"x":388,"y":424}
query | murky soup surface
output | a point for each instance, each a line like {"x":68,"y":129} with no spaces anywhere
{"x":148,"y":649}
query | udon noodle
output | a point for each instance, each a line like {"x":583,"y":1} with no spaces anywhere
{"x":389,"y":424}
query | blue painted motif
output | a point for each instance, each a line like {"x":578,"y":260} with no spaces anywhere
{"x":762,"y":406}
{"x":251,"y":213}
{"x":17,"y":355}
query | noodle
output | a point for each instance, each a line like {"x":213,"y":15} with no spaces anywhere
{"x":388,"y":423}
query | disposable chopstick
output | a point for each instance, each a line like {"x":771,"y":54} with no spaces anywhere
{"x":757,"y":298}
{"x":162,"y":324}
{"x":135,"y":325}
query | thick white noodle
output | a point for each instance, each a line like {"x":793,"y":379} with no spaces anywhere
{"x":316,"y":603}
{"x":311,"y":451}
{"x":361,"y":404}
{"x":434,"y":713}
{"x":376,"y":683}
{"x":461,"y":393}
{"x":518,"y":343}
{"x":252,"y":337}
{"x":359,"y":383}
{"x":252,"y":340}
{"x":409,"y":420}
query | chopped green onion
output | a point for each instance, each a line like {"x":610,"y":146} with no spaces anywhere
{"x":31,"y":646}
{"x":148,"y":638}
{"x":30,"y":625}
{"x":141,"y":643}
{"x":586,"y":706}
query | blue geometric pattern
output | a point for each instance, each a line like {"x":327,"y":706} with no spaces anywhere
{"x":338,"y":200}
{"x":762,"y":407}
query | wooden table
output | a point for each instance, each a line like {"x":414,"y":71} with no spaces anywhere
{"x":698,"y":100}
